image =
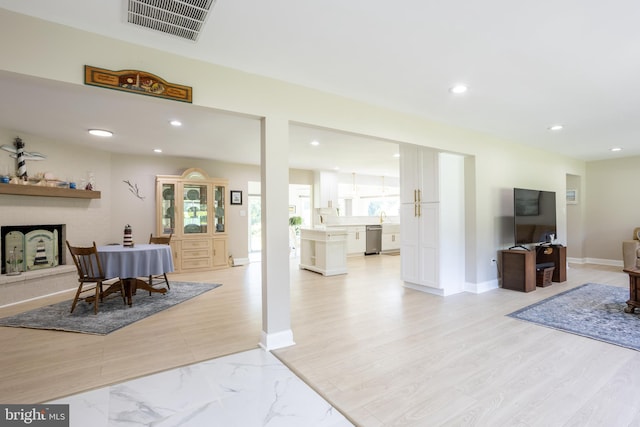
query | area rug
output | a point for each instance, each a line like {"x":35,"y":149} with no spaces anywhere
{"x":591,"y":310}
{"x":113,"y":314}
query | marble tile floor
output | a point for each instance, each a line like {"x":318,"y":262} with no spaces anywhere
{"x":251,"y":388}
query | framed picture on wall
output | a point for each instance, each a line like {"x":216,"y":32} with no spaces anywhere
{"x":236,"y":197}
{"x":572,"y":197}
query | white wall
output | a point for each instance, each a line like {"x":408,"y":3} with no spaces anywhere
{"x":498,"y":165}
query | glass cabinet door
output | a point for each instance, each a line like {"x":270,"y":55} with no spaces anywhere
{"x":219,"y":192}
{"x":194,"y":208}
{"x":168,"y":208}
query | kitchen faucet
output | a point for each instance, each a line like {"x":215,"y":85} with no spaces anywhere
{"x":382,"y":216}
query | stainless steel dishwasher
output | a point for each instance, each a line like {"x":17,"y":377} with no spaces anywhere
{"x":373,"y":239}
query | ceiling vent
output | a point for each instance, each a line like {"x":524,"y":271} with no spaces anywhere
{"x":182,"y":18}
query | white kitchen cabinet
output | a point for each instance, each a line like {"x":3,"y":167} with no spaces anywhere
{"x":356,"y":240}
{"x":432,"y":220}
{"x":324,"y":251}
{"x":390,"y":237}
{"x":325,"y":192}
{"x":419,"y":172}
{"x":356,"y":237}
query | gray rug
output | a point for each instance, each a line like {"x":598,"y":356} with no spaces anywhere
{"x":591,"y":310}
{"x":113,"y":314}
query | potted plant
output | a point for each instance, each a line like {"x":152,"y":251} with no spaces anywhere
{"x":294,"y":226}
{"x":295,"y":222}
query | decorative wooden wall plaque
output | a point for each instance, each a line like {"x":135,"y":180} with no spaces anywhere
{"x":137,"y":82}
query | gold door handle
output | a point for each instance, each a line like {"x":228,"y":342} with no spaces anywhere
{"x":419,"y":196}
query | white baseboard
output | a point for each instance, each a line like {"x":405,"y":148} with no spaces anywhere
{"x":478,"y":288}
{"x":599,"y":261}
{"x":276,"y":340}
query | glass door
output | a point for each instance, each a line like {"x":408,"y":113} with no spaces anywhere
{"x":255,"y":225}
{"x":168,"y":208}
{"x":194,"y":208}
{"x":218,"y":208}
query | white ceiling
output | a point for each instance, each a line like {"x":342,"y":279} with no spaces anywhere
{"x":528,"y":66}
{"x":63,"y":112}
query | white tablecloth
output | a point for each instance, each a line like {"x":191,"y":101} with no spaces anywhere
{"x":139,"y":261}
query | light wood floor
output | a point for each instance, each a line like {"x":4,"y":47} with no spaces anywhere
{"x":382,"y":354}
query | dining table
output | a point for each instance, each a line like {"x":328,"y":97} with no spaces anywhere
{"x":130,"y":263}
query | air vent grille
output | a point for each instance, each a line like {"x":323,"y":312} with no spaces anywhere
{"x":179,"y":18}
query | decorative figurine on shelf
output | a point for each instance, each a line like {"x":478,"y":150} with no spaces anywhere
{"x":128,"y":237}
{"x":26,"y":155}
{"x":22,"y":162}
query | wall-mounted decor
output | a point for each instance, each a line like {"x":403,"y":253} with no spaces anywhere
{"x":28,"y":155}
{"x":572,"y":197}
{"x":137,"y":82}
{"x":134,"y":189}
{"x":236,"y":197}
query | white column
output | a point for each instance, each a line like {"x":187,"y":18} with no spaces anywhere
{"x":276,"y":299}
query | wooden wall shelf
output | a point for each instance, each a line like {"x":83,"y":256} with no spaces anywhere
{"x":35,"y":190}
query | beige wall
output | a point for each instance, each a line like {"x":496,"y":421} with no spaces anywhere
{"x":612,"y":206}
{"x":103,"y":220}
{"x":142,"y":170}
{"x":59,"y":53}
{"x":87,"y":220}
{"x":576,"y":220}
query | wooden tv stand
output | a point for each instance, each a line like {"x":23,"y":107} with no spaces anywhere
{"x":518,"y":266}
{"x":518,"y":270}
{"x":557,"y":254}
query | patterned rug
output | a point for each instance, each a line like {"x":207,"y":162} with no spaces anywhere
{"x":113,"y":314}
{"x":591,"y":310}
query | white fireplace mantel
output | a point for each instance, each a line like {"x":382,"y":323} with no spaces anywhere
{"x":37,"y":284}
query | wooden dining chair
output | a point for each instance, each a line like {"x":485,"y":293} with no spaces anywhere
{"x":90,"y":275}
{"x":158,"y":240}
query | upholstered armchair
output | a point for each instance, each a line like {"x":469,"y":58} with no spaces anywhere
{"x":631,"y":250}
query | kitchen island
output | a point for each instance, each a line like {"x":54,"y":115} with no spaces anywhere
{"x":324,"y":251}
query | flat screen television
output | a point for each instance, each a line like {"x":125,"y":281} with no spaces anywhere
{"x":534,"y":213}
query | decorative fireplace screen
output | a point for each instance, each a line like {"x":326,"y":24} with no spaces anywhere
{"x":33,"y":247}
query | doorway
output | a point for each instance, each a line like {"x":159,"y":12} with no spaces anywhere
{"x":254,"y":199}
{"x":299,"y":206}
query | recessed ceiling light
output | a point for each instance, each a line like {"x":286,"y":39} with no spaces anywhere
{"x":314,"y":142}
{"x":157,"y":150}
{"x":175,"y":123}
{"x":397,"y":155}
{"x":458,"y":89}
{"x":100,"y":132}
{"x":615,"y":149}
{"x":556,"y":127}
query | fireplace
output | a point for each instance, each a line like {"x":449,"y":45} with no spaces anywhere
{"x":33,"y":247}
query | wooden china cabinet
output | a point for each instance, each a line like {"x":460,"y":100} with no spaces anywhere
{"x":193,"y":207}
